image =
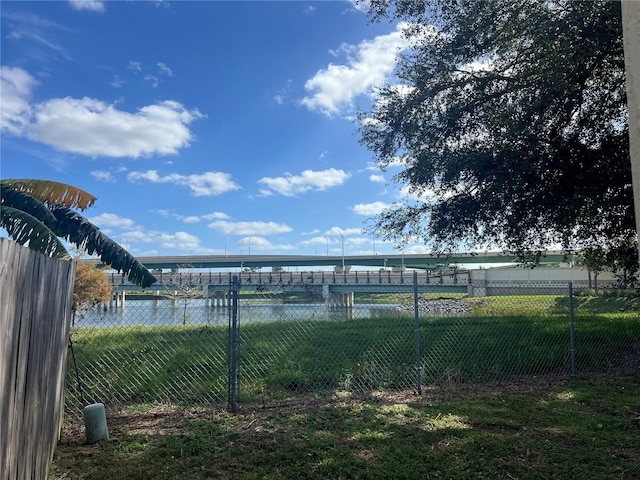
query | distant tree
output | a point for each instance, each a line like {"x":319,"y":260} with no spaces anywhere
{"x":510,"y":124}
{"x":38,"y":213}
{"x":91,"y":288}
{"x":184,"y":291}
{"x":594,"y":259}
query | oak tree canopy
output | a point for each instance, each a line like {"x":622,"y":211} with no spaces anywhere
{"x":510,"y":122}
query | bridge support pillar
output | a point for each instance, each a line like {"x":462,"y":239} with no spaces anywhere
{"x":336,"y":299}
{"x":205,"y":295}
{"x":348,"y":299}
{"x":219,"y":299}
{"x":117,"y":300}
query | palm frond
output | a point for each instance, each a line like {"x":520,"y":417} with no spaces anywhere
{"x":11,"y":197}
{"x":52,"y":193}
{"x":30,"y":231}
{"x":79,"y":231}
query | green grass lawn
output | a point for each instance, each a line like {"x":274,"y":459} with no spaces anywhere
{"x":332,"y":399}
{"x":539,"y":430}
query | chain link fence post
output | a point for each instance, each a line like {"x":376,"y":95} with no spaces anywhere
{"x":417,"y":334}
{"x":572,"y":333}
{"x":233,"y":347}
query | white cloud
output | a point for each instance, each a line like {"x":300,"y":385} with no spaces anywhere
{"x":164,"y":69}
{"x":179,"y":240}
{"x":261,"y":243}
{"x":417,"y":249}
{"x":283,"y":95}
{"x":135,"y":67}
{"x":91,"y":127}
{"x":191,"y":218}
{"x":370,"y":209}
{"x":250,"y":228}
{"x":215,"y":216}
{"x":371,"y":167}
{"x":102,"y":176}
{"x":343,"y":231}
{"x":112,"y":220}
{"x":153,"y":79}
{"x":94,"y":128}
{"x":376,"y":178}
{"x":291,"y":185}
{"x":359,"y":241}
{"x":15,"y":93}
{"x":35,"y":32}
{"x":334,"y":89}
{"x":316,"y":241}
{"x":136,"y":236}
{"x":360,"y":5}
{"x":202,"y":185}
{"x":117,"y":82}
{"x":91,"y":5}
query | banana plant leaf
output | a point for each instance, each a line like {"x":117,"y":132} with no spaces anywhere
{"x":37,"y":212}
{"x":28,"y":230}
{"x":81,"y":232}
{"x":24,"y":202}
{"x":51,"y":193}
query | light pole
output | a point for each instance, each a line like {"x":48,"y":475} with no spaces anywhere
{"x":327,"y":239}
{"x":342,"y":236}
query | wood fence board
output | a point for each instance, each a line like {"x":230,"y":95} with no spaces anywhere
{"x":35,"y":314}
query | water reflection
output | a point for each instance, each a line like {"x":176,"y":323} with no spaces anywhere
{"x":196,"y":312}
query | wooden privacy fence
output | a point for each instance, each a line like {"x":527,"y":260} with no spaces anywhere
{"x":36,"y":294}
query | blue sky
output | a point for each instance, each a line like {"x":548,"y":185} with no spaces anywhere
{"x":202,"y":127}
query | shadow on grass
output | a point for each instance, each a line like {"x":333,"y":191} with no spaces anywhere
{"x":581,"y":430}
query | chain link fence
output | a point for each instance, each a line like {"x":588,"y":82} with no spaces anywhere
{"x":249,"y":340}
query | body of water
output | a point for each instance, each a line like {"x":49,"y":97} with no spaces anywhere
{"x":195,"y":312}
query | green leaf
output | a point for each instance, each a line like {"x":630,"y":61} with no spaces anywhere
{"x":11,"y":197}
{"x":79,"y":231}
{"x":29,"y":231}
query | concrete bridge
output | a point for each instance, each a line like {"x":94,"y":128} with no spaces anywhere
{"x":419,"y":261}
{"x":338,"y":288}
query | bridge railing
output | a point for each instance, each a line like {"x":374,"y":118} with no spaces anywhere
{"x":279,"y":279}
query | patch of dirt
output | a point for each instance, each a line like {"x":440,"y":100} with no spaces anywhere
{"x":162,"y":420}
{"x":159,"y":420}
